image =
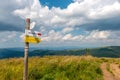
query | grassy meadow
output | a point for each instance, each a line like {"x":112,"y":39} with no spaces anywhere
{"x":54,"y":68}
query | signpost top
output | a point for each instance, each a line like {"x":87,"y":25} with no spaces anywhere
{"x":28,"y":20}
{"x":28,"y":23}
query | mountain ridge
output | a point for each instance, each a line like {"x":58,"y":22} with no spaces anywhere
{"x":108,"y":51}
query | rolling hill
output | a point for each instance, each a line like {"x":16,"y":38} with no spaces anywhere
{"x":110,"y":51}
{"x":9,"y":53}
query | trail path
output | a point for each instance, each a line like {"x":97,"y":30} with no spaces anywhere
{"x":116,"y":70}
{"x":106,"y":74}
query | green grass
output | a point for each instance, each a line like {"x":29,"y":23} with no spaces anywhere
{"x":53,"y":68}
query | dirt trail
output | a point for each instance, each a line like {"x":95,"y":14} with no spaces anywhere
{"x":116,"y":70}
{"x":106,"y":74}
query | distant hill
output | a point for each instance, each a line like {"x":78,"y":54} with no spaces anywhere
{"x":110,"y":51}
{"x":9,"y":53}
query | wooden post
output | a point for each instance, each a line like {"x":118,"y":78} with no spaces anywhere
{"x":25,"y":75}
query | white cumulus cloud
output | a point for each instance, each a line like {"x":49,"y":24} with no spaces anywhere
{"x":100,"y":18}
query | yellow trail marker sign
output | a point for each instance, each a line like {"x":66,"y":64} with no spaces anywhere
{"x":32,"y":39}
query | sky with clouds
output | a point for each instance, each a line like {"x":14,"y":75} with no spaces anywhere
{"x":61,"y":22}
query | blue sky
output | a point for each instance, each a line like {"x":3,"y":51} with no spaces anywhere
{"x":62,"y":22}
{"x":56,"y":3}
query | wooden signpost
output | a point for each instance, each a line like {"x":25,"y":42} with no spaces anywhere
{"x":25,"y":73}
{"x":30,"y":37}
